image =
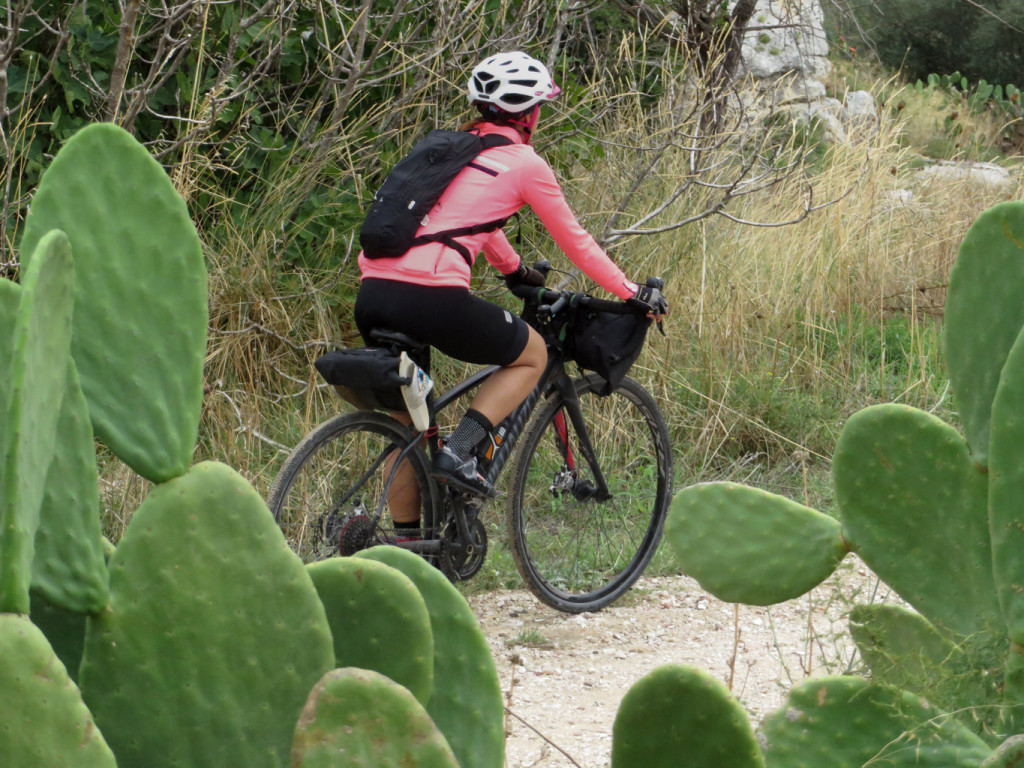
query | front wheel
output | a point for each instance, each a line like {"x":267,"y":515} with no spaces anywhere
{"x":327,"y":495}
{"x":578,"y":547}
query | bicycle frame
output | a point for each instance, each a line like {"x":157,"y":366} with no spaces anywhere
{"x":554,"y":378}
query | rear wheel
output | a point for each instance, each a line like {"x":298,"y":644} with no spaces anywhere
{"x":329,"y":490}
{"x":576,"y":550}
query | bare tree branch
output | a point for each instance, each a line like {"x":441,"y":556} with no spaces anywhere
{"x":125,"y":46}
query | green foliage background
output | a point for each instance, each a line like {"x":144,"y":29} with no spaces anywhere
{"x":273,"y":116}
{"x":921,"y":37}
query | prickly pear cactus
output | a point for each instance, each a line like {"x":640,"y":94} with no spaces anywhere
{"x":356,"y":718}
{"x":466,"y":701}
{"x":938,"y":516}
{"x":10,"y":298}
{"x":678,"y":712}
{"x":846,"y":722}
{"x":738,"y":543}
{"x":214,"y":636}
{"x":1010,"y":754}
{"x":1006,"y":507}
{"x":38,"y":360}
{"x":904,"y":650}
{"x":984,"y":314}
{"x":903,"y":475}
{"x":69,"y":569}
{"x":140,"y":322}
{"x":64,"y":628}
{"x":379,"y":621}
{"x":43,"y":722}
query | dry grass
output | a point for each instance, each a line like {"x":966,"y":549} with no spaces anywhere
{"x":759,"y":366}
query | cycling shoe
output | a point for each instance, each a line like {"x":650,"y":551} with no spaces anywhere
{"x":461,"y":473}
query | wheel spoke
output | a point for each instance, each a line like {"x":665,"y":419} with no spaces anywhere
{"x":338,"y":473}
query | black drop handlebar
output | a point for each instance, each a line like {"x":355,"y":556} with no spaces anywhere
{"x":551,"y":302}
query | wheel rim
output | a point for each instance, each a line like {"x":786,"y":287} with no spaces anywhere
{"x":579,"y":548}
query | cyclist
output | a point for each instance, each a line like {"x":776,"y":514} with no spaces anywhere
{"x":425,"y":292}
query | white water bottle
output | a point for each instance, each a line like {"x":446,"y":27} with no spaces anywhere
{"x":415,"y":392}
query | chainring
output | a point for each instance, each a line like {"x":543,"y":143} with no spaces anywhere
{"x":459,"y":560}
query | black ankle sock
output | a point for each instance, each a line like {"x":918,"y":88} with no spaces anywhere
{"x":470,"y":432}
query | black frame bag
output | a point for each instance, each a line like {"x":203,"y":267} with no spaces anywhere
{"x":607,"y":343}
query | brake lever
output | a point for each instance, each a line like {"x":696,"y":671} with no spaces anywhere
{"x":549,"y":310}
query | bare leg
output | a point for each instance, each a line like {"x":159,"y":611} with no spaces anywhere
{"x":509,"y":386}
{"x":403,"y":493}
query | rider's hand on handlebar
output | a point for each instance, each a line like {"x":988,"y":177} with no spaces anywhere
{"x":651,"y":300}
{"x":524,"y":275}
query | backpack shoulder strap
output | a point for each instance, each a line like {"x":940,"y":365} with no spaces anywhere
{"x":492,"y":140}
{"x":448,"y":236}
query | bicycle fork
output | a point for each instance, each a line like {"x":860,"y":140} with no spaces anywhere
{"x":581,"y":488}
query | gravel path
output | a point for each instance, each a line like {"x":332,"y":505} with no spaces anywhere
{"x":563,"y":676}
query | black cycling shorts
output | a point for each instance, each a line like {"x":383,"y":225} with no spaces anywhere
{"x":450,"y":319}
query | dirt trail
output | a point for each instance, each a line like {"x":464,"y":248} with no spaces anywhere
{"x":565,"y":675}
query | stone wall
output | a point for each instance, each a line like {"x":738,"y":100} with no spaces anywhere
{"x":786,"y":50}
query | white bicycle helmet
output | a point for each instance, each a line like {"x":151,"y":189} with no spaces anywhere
{"x":513,"y":82}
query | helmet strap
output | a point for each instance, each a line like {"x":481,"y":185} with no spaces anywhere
{"x":527,"y":122}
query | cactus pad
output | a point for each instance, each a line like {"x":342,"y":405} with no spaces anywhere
{"x":69,"y":568}
{"x":905,"y":651}
{"x":466,"y":701}
{"x":379,"y":621}
{"x":680,"y":715}
{"x":10,"y":297}
{"x":1009,"y":754}
{"x":846,"y":722}
{"x":356,"y":718}
{"x":40,"y":342}
{"x":140,"y":323}
{"x":43,"y":722}
{"x":745,"y":545}
{"x":64,"y":629}
{"x":1006,"y":491}
{"x":214,"y":636}
{"x":984,"y":314}
{"x":914,"y":507}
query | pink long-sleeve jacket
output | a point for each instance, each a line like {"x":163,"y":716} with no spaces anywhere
{"x":498,"y":183}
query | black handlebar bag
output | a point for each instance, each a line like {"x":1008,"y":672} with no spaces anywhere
{"x":607,"y":343}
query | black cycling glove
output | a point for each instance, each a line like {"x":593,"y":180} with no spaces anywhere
{"x":650,"y":300}
{"x":524,"y":275}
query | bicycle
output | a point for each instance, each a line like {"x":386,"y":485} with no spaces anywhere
{"x":589,"y":491}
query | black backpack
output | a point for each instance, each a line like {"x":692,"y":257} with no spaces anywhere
{"x":412,"y":189}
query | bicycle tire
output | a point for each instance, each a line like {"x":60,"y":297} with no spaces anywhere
{"x":319,"y":474}
{"x":581,"y":555}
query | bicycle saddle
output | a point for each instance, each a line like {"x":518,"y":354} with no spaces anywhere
{"x":400,"y":340}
